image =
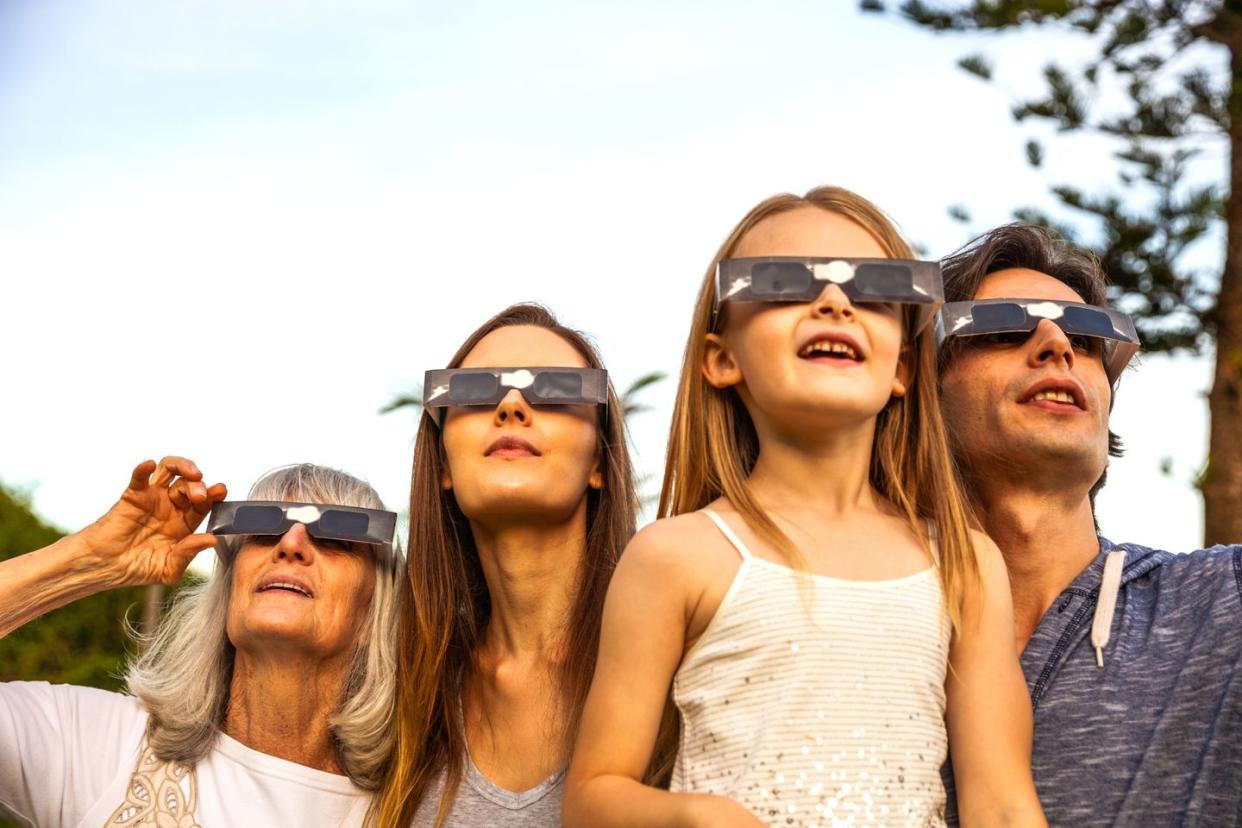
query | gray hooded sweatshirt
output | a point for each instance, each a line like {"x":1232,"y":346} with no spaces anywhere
{"x":1154,"y":736}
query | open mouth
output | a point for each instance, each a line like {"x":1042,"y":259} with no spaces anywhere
{"x":286,"y":586}
{"x":830,"y":350}
{"x":1059,"y":397}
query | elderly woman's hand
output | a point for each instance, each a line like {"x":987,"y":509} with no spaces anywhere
{"x":148,"y":536}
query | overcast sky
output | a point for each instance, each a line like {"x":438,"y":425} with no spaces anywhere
{"x":235,"y":230}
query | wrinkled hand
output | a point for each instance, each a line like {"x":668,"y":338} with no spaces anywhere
{"x":148,"y":536}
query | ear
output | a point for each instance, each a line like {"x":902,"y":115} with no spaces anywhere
{"x":905,"y":371}
{"x":446,"y":480}
{"x":596,"y":480}
{"x":719,"y":368}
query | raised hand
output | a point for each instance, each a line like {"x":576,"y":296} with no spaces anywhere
{"x":148,"y":536}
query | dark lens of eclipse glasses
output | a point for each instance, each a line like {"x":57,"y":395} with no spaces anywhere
{"x":998,"y":317}
{"x":557,"y":385}
{"x":255,"y":520}
{"x":779,"y":279}
{"x":465,"y":388}
{"x":1088,"y":323}
{"x":349,"y":524}
{"x":884,"y":280}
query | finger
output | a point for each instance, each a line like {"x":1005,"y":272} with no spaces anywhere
{"x":199,"y":509}
{"x":203,"y":504}
{"x":213,"y":495}
{"x":173,"y":466}
{"x":141,"y":475}
{"x":184,"y":552}
{"x":185,"y":494}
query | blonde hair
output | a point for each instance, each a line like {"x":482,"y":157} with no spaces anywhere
{"x":183,"y":674}
{"x":713,"y":445}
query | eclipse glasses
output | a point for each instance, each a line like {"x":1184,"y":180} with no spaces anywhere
{"x":992,"y":316}
{"x":487,"y":386}
{"x":802,"y":279}
{"x":322,"y":520}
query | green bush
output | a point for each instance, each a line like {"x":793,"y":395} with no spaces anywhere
{"x":82,"y":643}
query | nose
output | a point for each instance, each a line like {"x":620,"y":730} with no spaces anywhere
{"x":514,"y":408}
{"x":1049,"y":344}
{"x":833,"y":303}
{"x":295,"y":546}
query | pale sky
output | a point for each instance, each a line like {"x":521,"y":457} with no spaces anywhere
{"x":235,"y":230}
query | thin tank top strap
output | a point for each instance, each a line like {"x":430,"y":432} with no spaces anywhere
{"x":728,"y":533}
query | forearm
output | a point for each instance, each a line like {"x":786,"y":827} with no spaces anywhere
{"x":616,"y":801}
{"x":1021,"y":812}
{"x":40,"y":581}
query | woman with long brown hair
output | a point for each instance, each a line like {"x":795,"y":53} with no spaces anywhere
{"x":519,"y":509}
{"x":814,"y":595}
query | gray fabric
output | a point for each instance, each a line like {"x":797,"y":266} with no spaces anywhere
{"x":1155,"y":737}
{"x":481,"y":804}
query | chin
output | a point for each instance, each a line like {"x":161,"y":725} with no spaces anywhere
{"x":837,"y":409}
{"x":271,"y":626}
{"x":1055,"y":446}
{"x":531,"y":504}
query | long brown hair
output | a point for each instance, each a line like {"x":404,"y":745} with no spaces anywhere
{"x":448,"y":606}
{"x":713,"y":445}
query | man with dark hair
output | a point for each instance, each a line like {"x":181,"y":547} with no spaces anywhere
{"x":1133,"y":656}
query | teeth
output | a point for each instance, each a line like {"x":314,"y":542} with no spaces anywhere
{"x":830,"y":347}
{"x":1055,"y":396}
{"x":283,"y":585}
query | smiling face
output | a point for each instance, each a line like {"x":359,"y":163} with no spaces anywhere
{"x":825,"y":362}
{"x":298,"y":593}
{"x":514,"y":462}
{"x":1029,"y":402}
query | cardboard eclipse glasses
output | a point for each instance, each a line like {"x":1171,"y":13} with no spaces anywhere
{"x":802,"y":279}
{"x":322,"y":520}
{"x":447,"y":387}
{"x":992,"y":316}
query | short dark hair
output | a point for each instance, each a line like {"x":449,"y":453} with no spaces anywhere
{"x":1026,"y":246}
{"x":1031,"y":247}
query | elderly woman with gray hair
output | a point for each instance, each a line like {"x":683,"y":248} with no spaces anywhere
{"x":265,"y":697}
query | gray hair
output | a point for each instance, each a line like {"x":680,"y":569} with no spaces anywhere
{"x":183,"y":673}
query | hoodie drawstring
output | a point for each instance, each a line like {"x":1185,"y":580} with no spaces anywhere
{"x":1106,"y":604}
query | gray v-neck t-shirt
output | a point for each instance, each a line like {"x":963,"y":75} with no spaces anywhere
{"x":481,"y":803}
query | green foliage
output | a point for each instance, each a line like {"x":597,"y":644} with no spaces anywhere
{"x":629,"y":397}
{"x":976,"y":65}
{"x":413,"y":400}
{"x":1173,"y":102}
{"x":1034,"y":153}
{"x":82,"y":643}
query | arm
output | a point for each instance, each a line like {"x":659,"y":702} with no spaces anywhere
{"x":989,"y":709}
{"x":146,"y":537}
{"x":646,"y":614}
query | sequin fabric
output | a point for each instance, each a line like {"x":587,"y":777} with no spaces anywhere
{"x":818,"y":702}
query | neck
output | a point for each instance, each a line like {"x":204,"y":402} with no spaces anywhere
{"x":829,"y":473}
{"x":532,"y":579}
{"x":1047,"y":536}
{"x":281,"y":706}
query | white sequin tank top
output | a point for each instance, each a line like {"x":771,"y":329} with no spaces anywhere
{"x":817,"y":701}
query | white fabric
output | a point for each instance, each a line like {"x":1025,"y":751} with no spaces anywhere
{"x":68,"y":757}
{"x":818,"y":701}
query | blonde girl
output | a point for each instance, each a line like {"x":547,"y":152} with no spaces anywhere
{"x":827,"y":620}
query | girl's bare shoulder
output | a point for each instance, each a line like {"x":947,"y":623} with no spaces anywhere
{"x":682,"y":543}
